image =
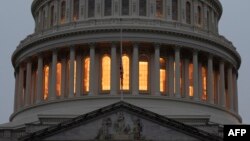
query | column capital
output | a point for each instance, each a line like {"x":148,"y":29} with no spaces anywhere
{"x":135,"y":44}
{"x":195,"y":51}
{"x":157,"y":45}
{"x":210,"y":56}
{"x":92,"y":44}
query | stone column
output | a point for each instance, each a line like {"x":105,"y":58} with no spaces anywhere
{"x":195,"y":12}
{"x":114,"y":70}
{"x":82,"y":10}
{"x":186,"y":79}
{"x":16,"y":90}
{"x":28,"y":84}
{"x":20,"y":87}
{"x":177,"y":73}
{"x":71,"y":72}
{"x":39,"y":86}
{"x":230,"y":87}
{"x":135,"y":70}
{"x":195,"y":75}
{"x":210,"y":80}
{"x":171,"y":75}
{"x":79,"y":75}
{"x":92,"y":70}
{"x":157,"y":70}
{"x":169,"y":10}
{"x":222,"y":96}
{"x":52,"y":92}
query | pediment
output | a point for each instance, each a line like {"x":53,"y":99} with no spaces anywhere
{"x":120,"y":122}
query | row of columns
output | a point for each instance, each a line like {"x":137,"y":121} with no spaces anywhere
{"x":173,"y":85}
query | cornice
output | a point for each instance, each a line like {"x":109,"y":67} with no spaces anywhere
{"x":71,"y":30}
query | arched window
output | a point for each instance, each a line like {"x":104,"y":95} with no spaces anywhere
{"x":91,"y":8}
{"x":162,"y":75}
{"x":52,"y":16}
{"x":76,"y":10}
{"x":188,"y":13}
{"x":108,"y":8}
{"x":159,"y":8}
{"x":63,"y":12}
{"x":199,"y":15}
{"x":191,"y":80}
{"x":125,"y":7}
{"x":45,"y":82}
{"x":143,"y":7}
{"x":204,"y":82}
{"x":86,"y":67}
{"x":58,"y":78}
{"x":175,"y":10}
{"x":106,"y":73}
{"x":143,"y":73}
{"x":126,"y":72}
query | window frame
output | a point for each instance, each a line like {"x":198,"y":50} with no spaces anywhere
{"x":102,"y":91}
{"x":141,"y":57}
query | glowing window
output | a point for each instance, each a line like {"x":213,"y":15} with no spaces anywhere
{"x":143,"y":74}
{"x":91,"y":8}
{"x":204,"y":83}
{"x":191,"y":80}
{"x":86,"y":74}
{"x":142,"y":7}
{"x":63,"y":12}
{"x":107,"y":7}
{"x":52,"y":16}
{"x":162,"y":75}
{"x":126,"y":72}
{"x":106,"y":68}
{"x":125,"y":7}
{"x":76,"y":10}
{"x":46,"y":82}
{"x":58,"y":78}
{"x":188,"y":13}
{"x":159,"y":8}
{"x":175,"y":10}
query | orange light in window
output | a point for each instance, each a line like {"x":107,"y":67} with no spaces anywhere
{"x":162,"y":75}
{"x":143,"y":75}
{"x":204,"y":83}
{"x":106,"y":64}
{"x":46,"y":83}
{"x":58,"y":78}
{"x":86,"y":74}
{"x":125,"y":65}
{"x":191,"y":81}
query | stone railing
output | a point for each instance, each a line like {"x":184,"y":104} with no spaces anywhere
{"x":116,"y":23}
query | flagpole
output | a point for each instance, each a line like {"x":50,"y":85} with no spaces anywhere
{"x":121,"y":65}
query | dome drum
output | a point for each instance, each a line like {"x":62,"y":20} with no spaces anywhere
{"x":162,"y":55}
{"x":149,"y":69}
